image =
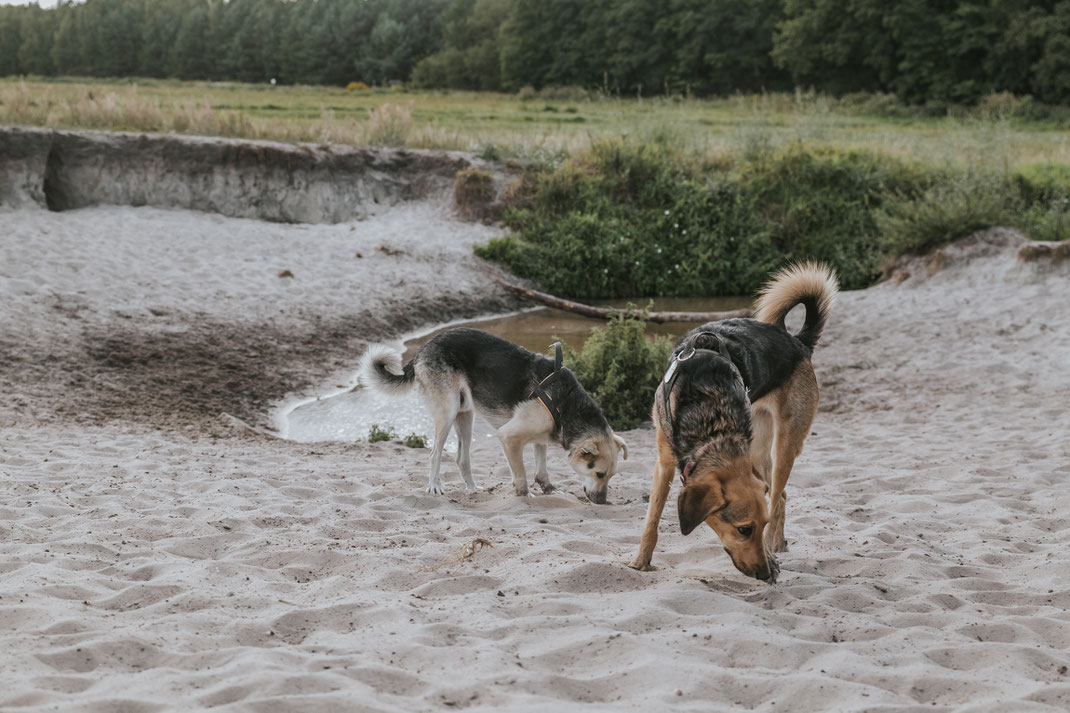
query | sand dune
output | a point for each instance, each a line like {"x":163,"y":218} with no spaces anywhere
{"x":153,"y":561}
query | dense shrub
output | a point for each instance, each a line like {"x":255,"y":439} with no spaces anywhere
{"x":1050,"y":221}
{"x":1043,"y":182}
{"x":628,"y":219}
{"x":1043,"y":192}
{"x":620,"y":367}
{"x":951,"y":208}
{"x":1035,"y":199}
{"x":823,"y":205}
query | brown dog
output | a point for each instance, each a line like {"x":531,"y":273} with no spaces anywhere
{"x":732,"y":413}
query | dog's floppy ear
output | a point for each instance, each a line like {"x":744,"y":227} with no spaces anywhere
{"x":695,"y":503}
{"x":589,"y":448}
{"x":622,"y":445}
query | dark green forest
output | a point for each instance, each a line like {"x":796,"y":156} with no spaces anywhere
{"x":920,"y":50}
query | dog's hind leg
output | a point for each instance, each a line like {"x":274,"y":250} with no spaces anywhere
{"x":444,"y":412}
{"x":659,"y":492}
{"x":778,"y":498}
{"x":463,"y":426}
{"x":542,"y":475}
{"x":796,"y":408}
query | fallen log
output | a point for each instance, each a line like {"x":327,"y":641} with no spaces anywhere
{"x":607,"y":312}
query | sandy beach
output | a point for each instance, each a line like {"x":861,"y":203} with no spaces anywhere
{"x":159,"y":552}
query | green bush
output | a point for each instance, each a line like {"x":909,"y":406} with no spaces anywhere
{"x":633,"y":219}
{"x":414,"y":441}
{"x":627,"y":219}
{"x":822,"y":205}
{"x":376,"y":434}
{"x":1044,"y":195}
{"x":951,"y":208}
{"x":1046,"y":221}
{"x":1041,"y":183}
{"x":620,"y":368}
{"x":1035,"y":199}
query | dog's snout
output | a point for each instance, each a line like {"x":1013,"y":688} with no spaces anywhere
{"x":767,"y":572}
{"x":598,"y":497}
{"x":770,"y":572}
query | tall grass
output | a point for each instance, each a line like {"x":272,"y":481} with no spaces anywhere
{"x":128,"y":109}
{"x":389,"y":125}
{"x":546,"y":127}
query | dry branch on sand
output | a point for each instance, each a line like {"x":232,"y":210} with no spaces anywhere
{"x":586,"y":310}
{"x":468,"y":550}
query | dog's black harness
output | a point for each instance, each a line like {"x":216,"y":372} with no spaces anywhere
{"x":672,"y":373}
{"x":542,"y":394}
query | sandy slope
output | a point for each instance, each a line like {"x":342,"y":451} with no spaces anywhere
{"x":152,"y":558}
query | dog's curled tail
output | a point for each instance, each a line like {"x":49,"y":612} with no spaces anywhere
{"x":811,"y":284}
{"x":381,"y":369}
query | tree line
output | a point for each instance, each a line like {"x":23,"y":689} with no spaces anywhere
{"x":290,"y":41}
{"x":920,"y":50}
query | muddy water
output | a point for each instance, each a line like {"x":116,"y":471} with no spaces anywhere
{"x":537,"y":329}
{"x":349,"y":415}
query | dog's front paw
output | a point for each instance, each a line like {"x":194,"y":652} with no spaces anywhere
{"x":473,"y":489}
{"x":435,"y":489}
{"x":642,"y":564}
{"x":547,"y":487}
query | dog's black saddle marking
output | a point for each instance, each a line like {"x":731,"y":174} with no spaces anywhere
{"x":700,"y":341}
{"x":542,"y":393}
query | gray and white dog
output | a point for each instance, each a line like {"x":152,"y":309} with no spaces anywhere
{"x":528,"y":398}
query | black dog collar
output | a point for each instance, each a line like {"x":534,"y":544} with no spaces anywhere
{"x":542,"y":394}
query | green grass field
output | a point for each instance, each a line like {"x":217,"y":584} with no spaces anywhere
{"x":541,"y":126}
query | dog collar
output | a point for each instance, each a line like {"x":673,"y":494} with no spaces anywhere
{"x":543,"y":397}
{"x":542,"y":394}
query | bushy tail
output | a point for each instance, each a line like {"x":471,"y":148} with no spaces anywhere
{"x":380,"y":369}
{"x":811,"y":284}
